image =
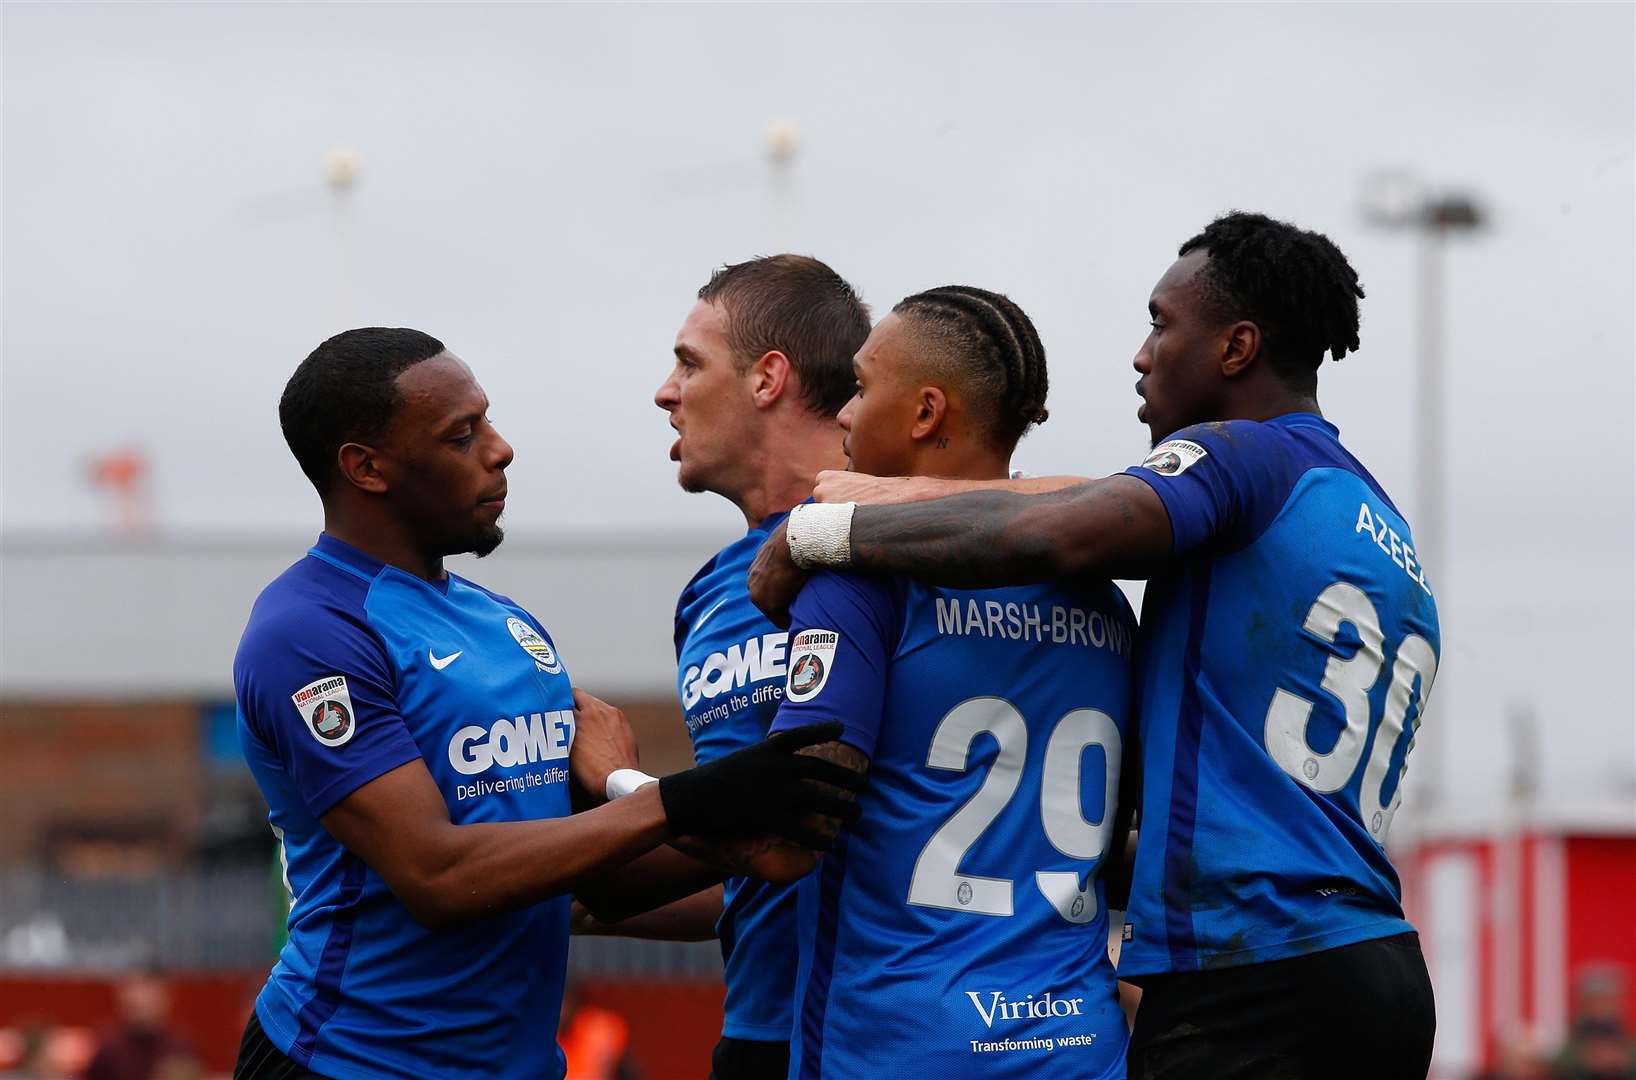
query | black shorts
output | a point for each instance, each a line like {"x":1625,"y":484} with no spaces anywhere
{"x":746,"y":1059}
{"x":259,"y":1059}
{"x":1361,"y":1011}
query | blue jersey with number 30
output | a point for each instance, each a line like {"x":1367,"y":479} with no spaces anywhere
{"x":1285,"y":664}
{"x":958,"y":929}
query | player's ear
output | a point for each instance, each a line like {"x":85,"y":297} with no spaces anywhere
{"x":771,"y":377}
{"x":1239,"y":348}
{"x":361,"y":467}
{"x":931,"y":407}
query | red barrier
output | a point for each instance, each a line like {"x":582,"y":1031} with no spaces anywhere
{"x":673,"y":1024}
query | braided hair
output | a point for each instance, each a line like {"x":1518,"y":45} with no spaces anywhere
{"x":1293,"y":284}
{"x":986,"y":338}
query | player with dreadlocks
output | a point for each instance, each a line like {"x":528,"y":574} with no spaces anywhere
{"x":990,"y":723}
{"x":1289,"y":641}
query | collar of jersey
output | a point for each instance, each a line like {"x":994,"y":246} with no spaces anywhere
{"x":343,"y":556}
{"x":773,"y":521}
{"x":1305,"y":419}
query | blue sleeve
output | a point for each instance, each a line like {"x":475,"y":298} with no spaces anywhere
{"x":843,"y":631}
{"x":1221,"y":483}
{"x":314,"y":685}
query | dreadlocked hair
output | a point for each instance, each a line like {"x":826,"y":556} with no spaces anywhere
{"x":1293,"y":284}
{"x":990,"y":340}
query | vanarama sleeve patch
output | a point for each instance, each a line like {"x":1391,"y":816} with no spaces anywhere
{"x":326,"y":707}
{"x":1174,"y":457}
{"x":812,"y":658}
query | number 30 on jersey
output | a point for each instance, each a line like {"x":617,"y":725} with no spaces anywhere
{"x":1349,"y":679}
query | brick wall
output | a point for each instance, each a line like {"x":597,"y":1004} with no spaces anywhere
{"x":125,"y":785}
{"x":107,"y":777}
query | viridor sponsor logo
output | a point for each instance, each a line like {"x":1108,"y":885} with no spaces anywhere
{"x":1000,"y":1007}
{"x":757,"y":659}
{"x":518,"y":741}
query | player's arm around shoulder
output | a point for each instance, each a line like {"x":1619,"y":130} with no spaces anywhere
{"x":842,"y":486}
{"x":969,"y":534}
{"x":1219,"y":483}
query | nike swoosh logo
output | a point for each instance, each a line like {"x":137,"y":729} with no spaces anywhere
{"x":441,"y":662}
{"x":712,"y":611}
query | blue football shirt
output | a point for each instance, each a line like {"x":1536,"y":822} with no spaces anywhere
{"x":1286,"y":661}
{"x":958,"y":929}
{"x":348,"y":669}
{"x":730,"y":679}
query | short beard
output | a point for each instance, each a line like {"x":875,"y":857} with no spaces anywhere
{"x":690,"y":484}
{"x":487,"y":540}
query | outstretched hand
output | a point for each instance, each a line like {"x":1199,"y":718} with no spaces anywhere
{"x":769,"y":788}
{"x":774,"y":579}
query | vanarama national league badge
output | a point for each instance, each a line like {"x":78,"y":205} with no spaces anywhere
{"x":326,"y":707}
{"x":1174,"y":457}
{"x":812,"y":658}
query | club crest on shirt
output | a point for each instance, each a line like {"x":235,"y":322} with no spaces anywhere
{"x":325,"y":706}
{"x":545,"y":657}
{"x":812,"y":658}
{"x":1174,"y":457}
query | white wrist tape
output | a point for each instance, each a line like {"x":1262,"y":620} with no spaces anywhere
{"x":820,"y":534}
{"x":622,"y":782}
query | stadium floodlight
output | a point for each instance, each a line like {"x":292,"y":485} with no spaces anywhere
{"x":783,"y":140}
{"x":341,"y":167}
{"x":1397,"y":200}
{"x":1390,"y":199}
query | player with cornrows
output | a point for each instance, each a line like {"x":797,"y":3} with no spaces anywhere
{"x":959,"y":928}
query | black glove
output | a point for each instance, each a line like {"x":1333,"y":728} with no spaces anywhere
{"x":763,"y":790}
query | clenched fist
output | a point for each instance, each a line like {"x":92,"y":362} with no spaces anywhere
{"x":841,"y":487}
{"x":603,"y":742}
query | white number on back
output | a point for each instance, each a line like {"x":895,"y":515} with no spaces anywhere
{"x":1348,"y":680}
{"x":937,"y":880}
{"x":1062,"y":816}
{"x":284,"y":863}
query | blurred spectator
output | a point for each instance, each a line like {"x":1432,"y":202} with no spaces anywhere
{"x":39,"y":1051}
{"x":1522,"y":1057}
{"x":595,"y":1041}
{"x":29,"y":1058}
{"x":1600,"y":1046}
{"x":141,"y":1046}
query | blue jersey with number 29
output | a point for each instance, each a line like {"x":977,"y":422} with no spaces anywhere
{"x":1285,"y":664}
{"x":958,"y":929}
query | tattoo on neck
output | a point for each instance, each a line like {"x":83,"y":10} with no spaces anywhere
{"x":942,"y":444}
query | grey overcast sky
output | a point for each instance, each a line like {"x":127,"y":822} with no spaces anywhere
{"x":544,"y":187}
